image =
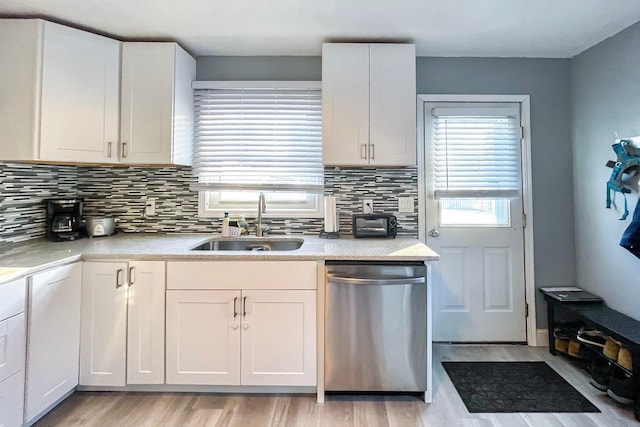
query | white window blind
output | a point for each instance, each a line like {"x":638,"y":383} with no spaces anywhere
{"x":476,"y":152}
{"x":260,"y":139}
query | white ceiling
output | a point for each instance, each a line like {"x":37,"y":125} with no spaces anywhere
{"x":520,"y":28}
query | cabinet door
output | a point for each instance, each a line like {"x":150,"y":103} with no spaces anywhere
{"x":20,"y":42}
{"x":392,"y":94}
{"x":80,"y":96}
{"x":145,"y":323}
{"x":345,"y":103}
{"x":203,"y":337}
{"x":146,"y":119}
{"x":279,"y":338}
{"x":54,"y":336}
{"x":12,"y":345}
{"x":103,"y":331}
{"x":12,"y":400}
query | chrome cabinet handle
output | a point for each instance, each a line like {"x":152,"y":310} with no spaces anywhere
{"x":244,"y":307}
{"x":435,"y":233}
{"x":118,"y":276}
{"x":373,"y":151}
{"x":124,"y":149}
{"x":235,"y":310}
{"x":109,"y":149}
{"x":131,"y":275}
{"x":363,"y":151}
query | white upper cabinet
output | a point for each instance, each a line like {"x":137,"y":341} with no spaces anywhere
{"x":60,"y":93}
{"x":392,"y":104}
{"x":368,"y":104}
{"x":345,"y":103}
{"x":157,"y":104}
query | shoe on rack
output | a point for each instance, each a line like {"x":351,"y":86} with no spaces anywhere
{"x":624,"y":358}
{"x":600,"y":373}
{"x":592,"y":337}
{"x":561,"y":340}
{"x":621,"y":388}
{"x":573,"y":350}
{"x":611,"y":349}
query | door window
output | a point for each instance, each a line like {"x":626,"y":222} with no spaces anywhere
{"x":476,"y":164}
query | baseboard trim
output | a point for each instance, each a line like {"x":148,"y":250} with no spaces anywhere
{"x":542,"y":338}
{"x":176,"y":388}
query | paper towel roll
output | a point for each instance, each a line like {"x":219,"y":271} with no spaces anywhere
{"x":330,"y":214}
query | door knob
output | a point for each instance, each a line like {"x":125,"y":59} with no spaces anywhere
{"x":434,"y":232}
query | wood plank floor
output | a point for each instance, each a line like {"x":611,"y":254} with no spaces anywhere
{"x":447,"y":410}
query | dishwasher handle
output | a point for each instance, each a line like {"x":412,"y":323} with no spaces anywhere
{"x":358,"y":281}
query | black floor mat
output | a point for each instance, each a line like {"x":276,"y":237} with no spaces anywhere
{"x":514,"y":387}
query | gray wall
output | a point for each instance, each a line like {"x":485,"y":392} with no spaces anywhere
{"x":545,"y":80}
{"x":605,"y":99}
{"x":292,"y":68}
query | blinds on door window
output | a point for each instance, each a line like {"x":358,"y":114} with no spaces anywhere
{"x":261,"y":139}
{"x":477,"y":152}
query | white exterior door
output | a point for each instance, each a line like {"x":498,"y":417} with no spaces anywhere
{"x":474,"y":220}
{"x":203,"y":337}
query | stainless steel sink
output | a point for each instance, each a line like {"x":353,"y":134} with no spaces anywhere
{"x":249,"y":244}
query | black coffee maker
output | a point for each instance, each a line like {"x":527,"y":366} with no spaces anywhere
{"x":64,"y":219}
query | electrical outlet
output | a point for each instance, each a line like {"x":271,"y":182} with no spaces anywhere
{"x":405,"y":205}
{"x":150,"y":207}
{"x":367,"y":206}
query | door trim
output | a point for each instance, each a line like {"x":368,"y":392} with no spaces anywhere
{"x":527,"y":193}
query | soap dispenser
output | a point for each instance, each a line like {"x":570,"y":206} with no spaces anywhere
{"x":225,"y":225}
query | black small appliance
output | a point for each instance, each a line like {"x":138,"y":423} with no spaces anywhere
{"x":64,"y":219}
{"x":375,"y":225}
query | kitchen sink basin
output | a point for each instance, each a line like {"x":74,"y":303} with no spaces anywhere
{"x":249,"y":244}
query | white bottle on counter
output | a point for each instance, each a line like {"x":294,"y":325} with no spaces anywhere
{"x":225,"y":225}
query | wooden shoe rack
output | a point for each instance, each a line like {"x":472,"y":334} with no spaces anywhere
{"x":598,"y":316}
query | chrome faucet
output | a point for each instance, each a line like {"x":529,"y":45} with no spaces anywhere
{"x":261,"y":230}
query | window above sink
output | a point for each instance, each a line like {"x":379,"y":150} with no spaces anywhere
{"x":254,"y":137}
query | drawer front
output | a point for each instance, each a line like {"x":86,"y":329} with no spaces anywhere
{"x":242,"y":275}
{"x":12,"y":346}
{"x":12,"y":298}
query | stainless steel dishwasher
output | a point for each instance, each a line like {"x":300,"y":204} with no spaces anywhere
{"x":376,"y":327}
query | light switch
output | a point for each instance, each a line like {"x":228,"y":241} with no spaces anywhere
{"x":405,"y":204}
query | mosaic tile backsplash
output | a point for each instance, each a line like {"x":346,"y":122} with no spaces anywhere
{"x":117,"y":191}
{"x":23,"y":189}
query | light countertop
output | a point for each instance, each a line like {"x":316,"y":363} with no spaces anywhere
{"x":30,"y":257}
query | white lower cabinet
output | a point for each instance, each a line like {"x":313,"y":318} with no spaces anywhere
{"x":238,"y":335}
{"x":203,"y":337}
{"x":114,"y":351}
{"x":12,"y":352}
{"x":279,"y":338}
{"x":11,"y":400}
{"x":54,"y":337}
